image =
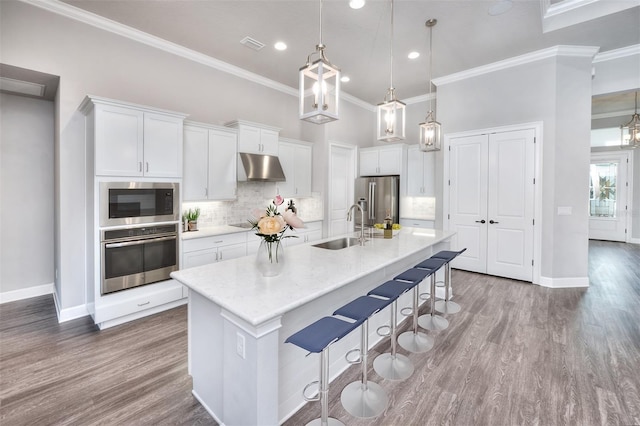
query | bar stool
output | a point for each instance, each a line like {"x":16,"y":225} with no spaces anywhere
{"x":446,"y":306}
{"x":316,"y":338}
{"x":363,"y":398}
{"x":392,"y":365}
{"x":414,"y":340}
{"x":432,"y":321}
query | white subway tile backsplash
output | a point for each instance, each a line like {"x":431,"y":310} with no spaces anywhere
{"x":251,"y":196}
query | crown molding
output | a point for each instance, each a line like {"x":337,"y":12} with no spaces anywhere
{"x":420,"y":99}
{"x":571,"y":12}
{"x":77,"y":14}
{"x":622,"y":52}
{"x":551,"y":52}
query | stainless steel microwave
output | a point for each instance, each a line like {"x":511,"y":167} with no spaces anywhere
{"x":131,"y":203}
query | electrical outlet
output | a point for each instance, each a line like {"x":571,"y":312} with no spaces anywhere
{"x":240,"y":345}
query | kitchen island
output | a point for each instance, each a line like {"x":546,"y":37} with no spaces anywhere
{"x":243,"y":372}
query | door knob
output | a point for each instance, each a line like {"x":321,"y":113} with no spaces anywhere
{"x":492,"y":221}
{"x":481,"y":221}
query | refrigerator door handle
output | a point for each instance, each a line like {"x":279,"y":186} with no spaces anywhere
{"x":372,"y":200}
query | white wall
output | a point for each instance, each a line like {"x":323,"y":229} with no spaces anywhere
{"x":92,"y":61}
{"x":26,"y":194}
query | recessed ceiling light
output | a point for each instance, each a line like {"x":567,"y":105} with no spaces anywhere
{"x":413,"y":55}
{"x":356,"y":4}
{"x":500,"y":7}
{"x":345,"y":79}
{"x":280,"y":45}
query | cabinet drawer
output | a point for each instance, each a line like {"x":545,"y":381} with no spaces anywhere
{"x":214,"y":241}
{"x":138,"y":303}
{"x":418,"y":223}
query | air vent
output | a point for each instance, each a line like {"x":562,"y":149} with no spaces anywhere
{"x":252,"y":43}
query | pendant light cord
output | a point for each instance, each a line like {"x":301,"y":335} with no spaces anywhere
{"x":430,"y":67}
{"x":391,"y":54}
{"x":321,"y":23}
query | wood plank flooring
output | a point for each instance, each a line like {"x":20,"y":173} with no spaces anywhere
{"x":517,"y":354}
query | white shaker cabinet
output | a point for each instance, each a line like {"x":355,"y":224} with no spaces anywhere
{"x":209,"y":163}
{"x":382,"y":160}
{"x":131,"y":140}
{"x":256,"y":138}
{"x":296,"y":159}
{"x":201,"y":251}
{"x":420,"y":172}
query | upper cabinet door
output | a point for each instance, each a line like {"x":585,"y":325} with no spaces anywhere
{"x":369,"y":162}
{"x":381,"y":160}
{"x":162,"y":145}
{"x":296,"y":160}
{"x":249,"y":139}
{"x":196,"y":163}
{"x":390,"y":160}
{"x":119,"y":136}
{"x":269,"y":142}
{"x":256,"y":138}
{"x":222,"y":165}
{"x":420,"y":172}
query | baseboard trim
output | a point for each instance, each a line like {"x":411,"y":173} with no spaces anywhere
{"x":69,"y":314}
{"x":634,"y":240}
{"x":26,"y":293}
{"x":206,"y":407}
{"x":570,"y":282}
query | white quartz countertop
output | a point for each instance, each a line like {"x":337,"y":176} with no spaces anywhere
{"x":310,"y":272}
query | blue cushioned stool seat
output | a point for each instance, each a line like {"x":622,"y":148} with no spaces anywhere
{"x":317,"y":336}
{"x":413,"y":275}
{"x":431,"y":263}
{"x":362,"y":307}
{"x":391,"y":289}
{"x":449,"y":255}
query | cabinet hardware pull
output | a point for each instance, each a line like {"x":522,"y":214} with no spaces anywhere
{"x":145,"y":303}
{"x":147,"y":166}
{"x":492,"y":221}
{"x":140,"y":166}
{"x":481,"y":221}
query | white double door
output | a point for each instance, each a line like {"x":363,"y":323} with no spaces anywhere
{"x":491,"y":202}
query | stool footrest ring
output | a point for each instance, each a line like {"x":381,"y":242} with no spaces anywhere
{"x":358,"y":360}
{"x":384,"y":331}
{"x":311,"y":398}
{"x":407,"y":312}
{"x":425,"y":296}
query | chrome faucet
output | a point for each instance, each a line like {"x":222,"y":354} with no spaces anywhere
{"x":361,"y":239}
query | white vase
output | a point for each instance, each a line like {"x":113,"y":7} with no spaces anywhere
{"x":270,"y":258}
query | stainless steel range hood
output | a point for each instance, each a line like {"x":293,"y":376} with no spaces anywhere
{"x":259,"y":168}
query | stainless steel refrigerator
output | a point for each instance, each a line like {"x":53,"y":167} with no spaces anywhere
{"x":378,"y":197}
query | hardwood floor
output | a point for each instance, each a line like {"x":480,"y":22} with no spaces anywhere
{"x":517,"y":354}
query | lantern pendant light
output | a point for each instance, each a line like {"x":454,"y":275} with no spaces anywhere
{"x":391,"y":112}
{"x":630,"y":132}
{"x":430,"y":131}
{"x":319,"y":86}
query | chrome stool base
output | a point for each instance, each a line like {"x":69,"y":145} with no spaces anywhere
{"x":447,"y":307}
{"x":364,"y":401}
{"x":330,"y":422}
{"x":393,"y":367}
{"x":415,"y":342}
{"x":433,"y":322}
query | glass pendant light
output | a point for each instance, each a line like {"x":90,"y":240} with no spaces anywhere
{"x":391,"y":112}
{"x":319,"y":86}
{"x":430,"y":131}
{"x":630,"y":132}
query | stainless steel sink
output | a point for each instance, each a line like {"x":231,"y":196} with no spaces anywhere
{"x":338,"y":243}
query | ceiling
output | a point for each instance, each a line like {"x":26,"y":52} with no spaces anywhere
{"x":358,"y":41}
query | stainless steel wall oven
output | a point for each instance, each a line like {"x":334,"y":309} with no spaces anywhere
{"x":136,"y":256}
{"x":130,"y":203}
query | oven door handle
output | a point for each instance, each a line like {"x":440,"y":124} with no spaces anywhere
{"x":138,"y":242}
